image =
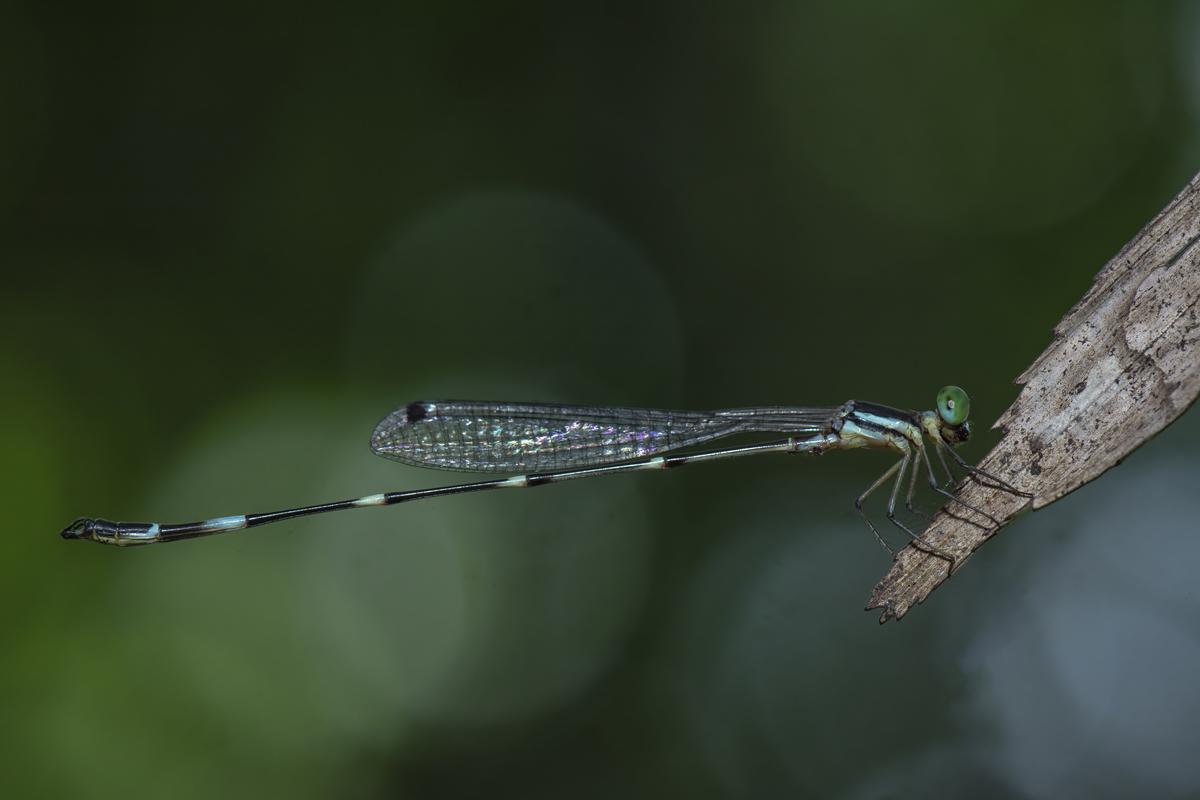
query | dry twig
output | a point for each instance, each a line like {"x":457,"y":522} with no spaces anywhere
{"x":1123,"y":365}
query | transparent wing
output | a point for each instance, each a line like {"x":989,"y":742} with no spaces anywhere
{"x":522,"y":437}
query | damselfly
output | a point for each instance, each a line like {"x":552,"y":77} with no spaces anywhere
{"x":553,"y":443}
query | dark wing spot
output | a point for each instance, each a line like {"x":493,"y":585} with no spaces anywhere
{"x":415,"y":412}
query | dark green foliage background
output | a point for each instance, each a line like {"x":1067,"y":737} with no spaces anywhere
{"x":232,"y":240}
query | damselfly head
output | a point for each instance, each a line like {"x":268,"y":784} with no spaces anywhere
{"x":953,"y":405}
{"x":956,"y":434}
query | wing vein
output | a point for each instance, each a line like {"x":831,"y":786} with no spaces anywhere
{"x":524,"y":437}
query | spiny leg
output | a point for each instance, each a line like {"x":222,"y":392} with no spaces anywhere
{"x":912,"y":487}
{"x":950,"y":479}
{"x":891,"y":513}
{"x":859,"y":503}
{"x":978,"y":473}
{"x":933,"y":482}
{"x":942,"y":447}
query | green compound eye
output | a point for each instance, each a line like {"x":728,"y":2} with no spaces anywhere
{"x":953,"y":405}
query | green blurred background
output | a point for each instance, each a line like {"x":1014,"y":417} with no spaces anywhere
{"x":232,"y":241}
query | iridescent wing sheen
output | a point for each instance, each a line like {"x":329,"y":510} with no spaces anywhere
{"x":522,"y":437}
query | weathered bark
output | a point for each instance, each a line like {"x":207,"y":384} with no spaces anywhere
{"x":1123,"y":365}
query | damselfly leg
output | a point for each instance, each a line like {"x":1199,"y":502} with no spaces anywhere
{"x":912,"y":488}
{"x":983,"y":477}
{"x":911,"y":459}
